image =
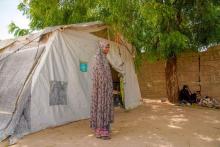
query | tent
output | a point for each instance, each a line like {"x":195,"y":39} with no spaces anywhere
{"x":41,"y":82}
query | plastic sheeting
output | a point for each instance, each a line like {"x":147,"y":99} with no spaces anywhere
{"x":14,"y":71}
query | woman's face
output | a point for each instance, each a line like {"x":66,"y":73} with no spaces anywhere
{"x":106,"y":49}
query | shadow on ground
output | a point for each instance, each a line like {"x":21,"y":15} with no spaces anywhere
{"x":154,"y":124}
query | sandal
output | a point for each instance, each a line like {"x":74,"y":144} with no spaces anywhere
{"x":106,"y":137}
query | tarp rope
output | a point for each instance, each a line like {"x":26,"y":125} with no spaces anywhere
{"x":19,"y":48}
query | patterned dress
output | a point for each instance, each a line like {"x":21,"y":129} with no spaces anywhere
{"x":102,"y":96}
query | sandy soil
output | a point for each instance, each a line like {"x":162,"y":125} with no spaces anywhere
{"x":153,"y":124}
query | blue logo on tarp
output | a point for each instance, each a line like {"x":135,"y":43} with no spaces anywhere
{"x":83,"y":67}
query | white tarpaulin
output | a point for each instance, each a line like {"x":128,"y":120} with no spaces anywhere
{"x":60,"y":63}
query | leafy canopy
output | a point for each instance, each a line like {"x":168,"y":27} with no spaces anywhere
{"x":157,"y":28}
{"x":13,"y":28}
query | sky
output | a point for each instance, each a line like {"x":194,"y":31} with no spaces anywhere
{"x":9,"y":13}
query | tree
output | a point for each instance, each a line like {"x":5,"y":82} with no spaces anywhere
{"x":158,"y":29}
{"x":13,"y":28}
{"x":178,"y":26}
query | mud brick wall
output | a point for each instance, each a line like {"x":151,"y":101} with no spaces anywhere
{"x":201,"y":71}
{"x":151,"y":78}
{"x":210,"y":72}
{"x":188,"y":71}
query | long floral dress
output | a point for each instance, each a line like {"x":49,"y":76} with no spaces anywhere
{"x":102,"y":96}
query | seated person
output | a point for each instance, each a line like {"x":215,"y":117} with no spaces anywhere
{"x":186,"y":95}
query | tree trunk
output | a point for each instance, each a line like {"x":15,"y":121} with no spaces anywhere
{"x":172,"y":79}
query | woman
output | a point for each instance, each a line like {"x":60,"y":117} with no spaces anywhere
{"x":186,"y":96}
{"x":102,"y":93}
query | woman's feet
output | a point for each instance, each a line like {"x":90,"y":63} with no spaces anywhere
{"x":98,"y":136}
{"x":103,"y":137}
{"x":106,"y":137}
{"x":98,"y":133}
{"x":102,"y":133}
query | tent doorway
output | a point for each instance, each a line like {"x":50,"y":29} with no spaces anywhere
{"x":117,"y":88}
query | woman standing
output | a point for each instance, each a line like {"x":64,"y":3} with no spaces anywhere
{"x":102,"y":93}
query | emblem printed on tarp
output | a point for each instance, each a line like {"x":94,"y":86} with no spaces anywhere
{"x":83,"y":66}
{"x":58,"y":93}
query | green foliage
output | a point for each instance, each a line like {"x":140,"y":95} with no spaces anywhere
{"x":12,"y":28}
{"x":44,"y":13}
{"x":157,"y":28}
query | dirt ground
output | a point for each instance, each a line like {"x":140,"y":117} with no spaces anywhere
{"x":154,"y":124}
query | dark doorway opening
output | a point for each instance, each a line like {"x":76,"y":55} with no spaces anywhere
{"x":117,"y":88}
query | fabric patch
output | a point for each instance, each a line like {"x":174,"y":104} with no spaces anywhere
{"x":58,"y":93}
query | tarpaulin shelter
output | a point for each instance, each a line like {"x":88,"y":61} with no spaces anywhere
{"x":41,"y":84}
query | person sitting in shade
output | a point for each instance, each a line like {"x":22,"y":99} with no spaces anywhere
{"x":186,"y":95}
